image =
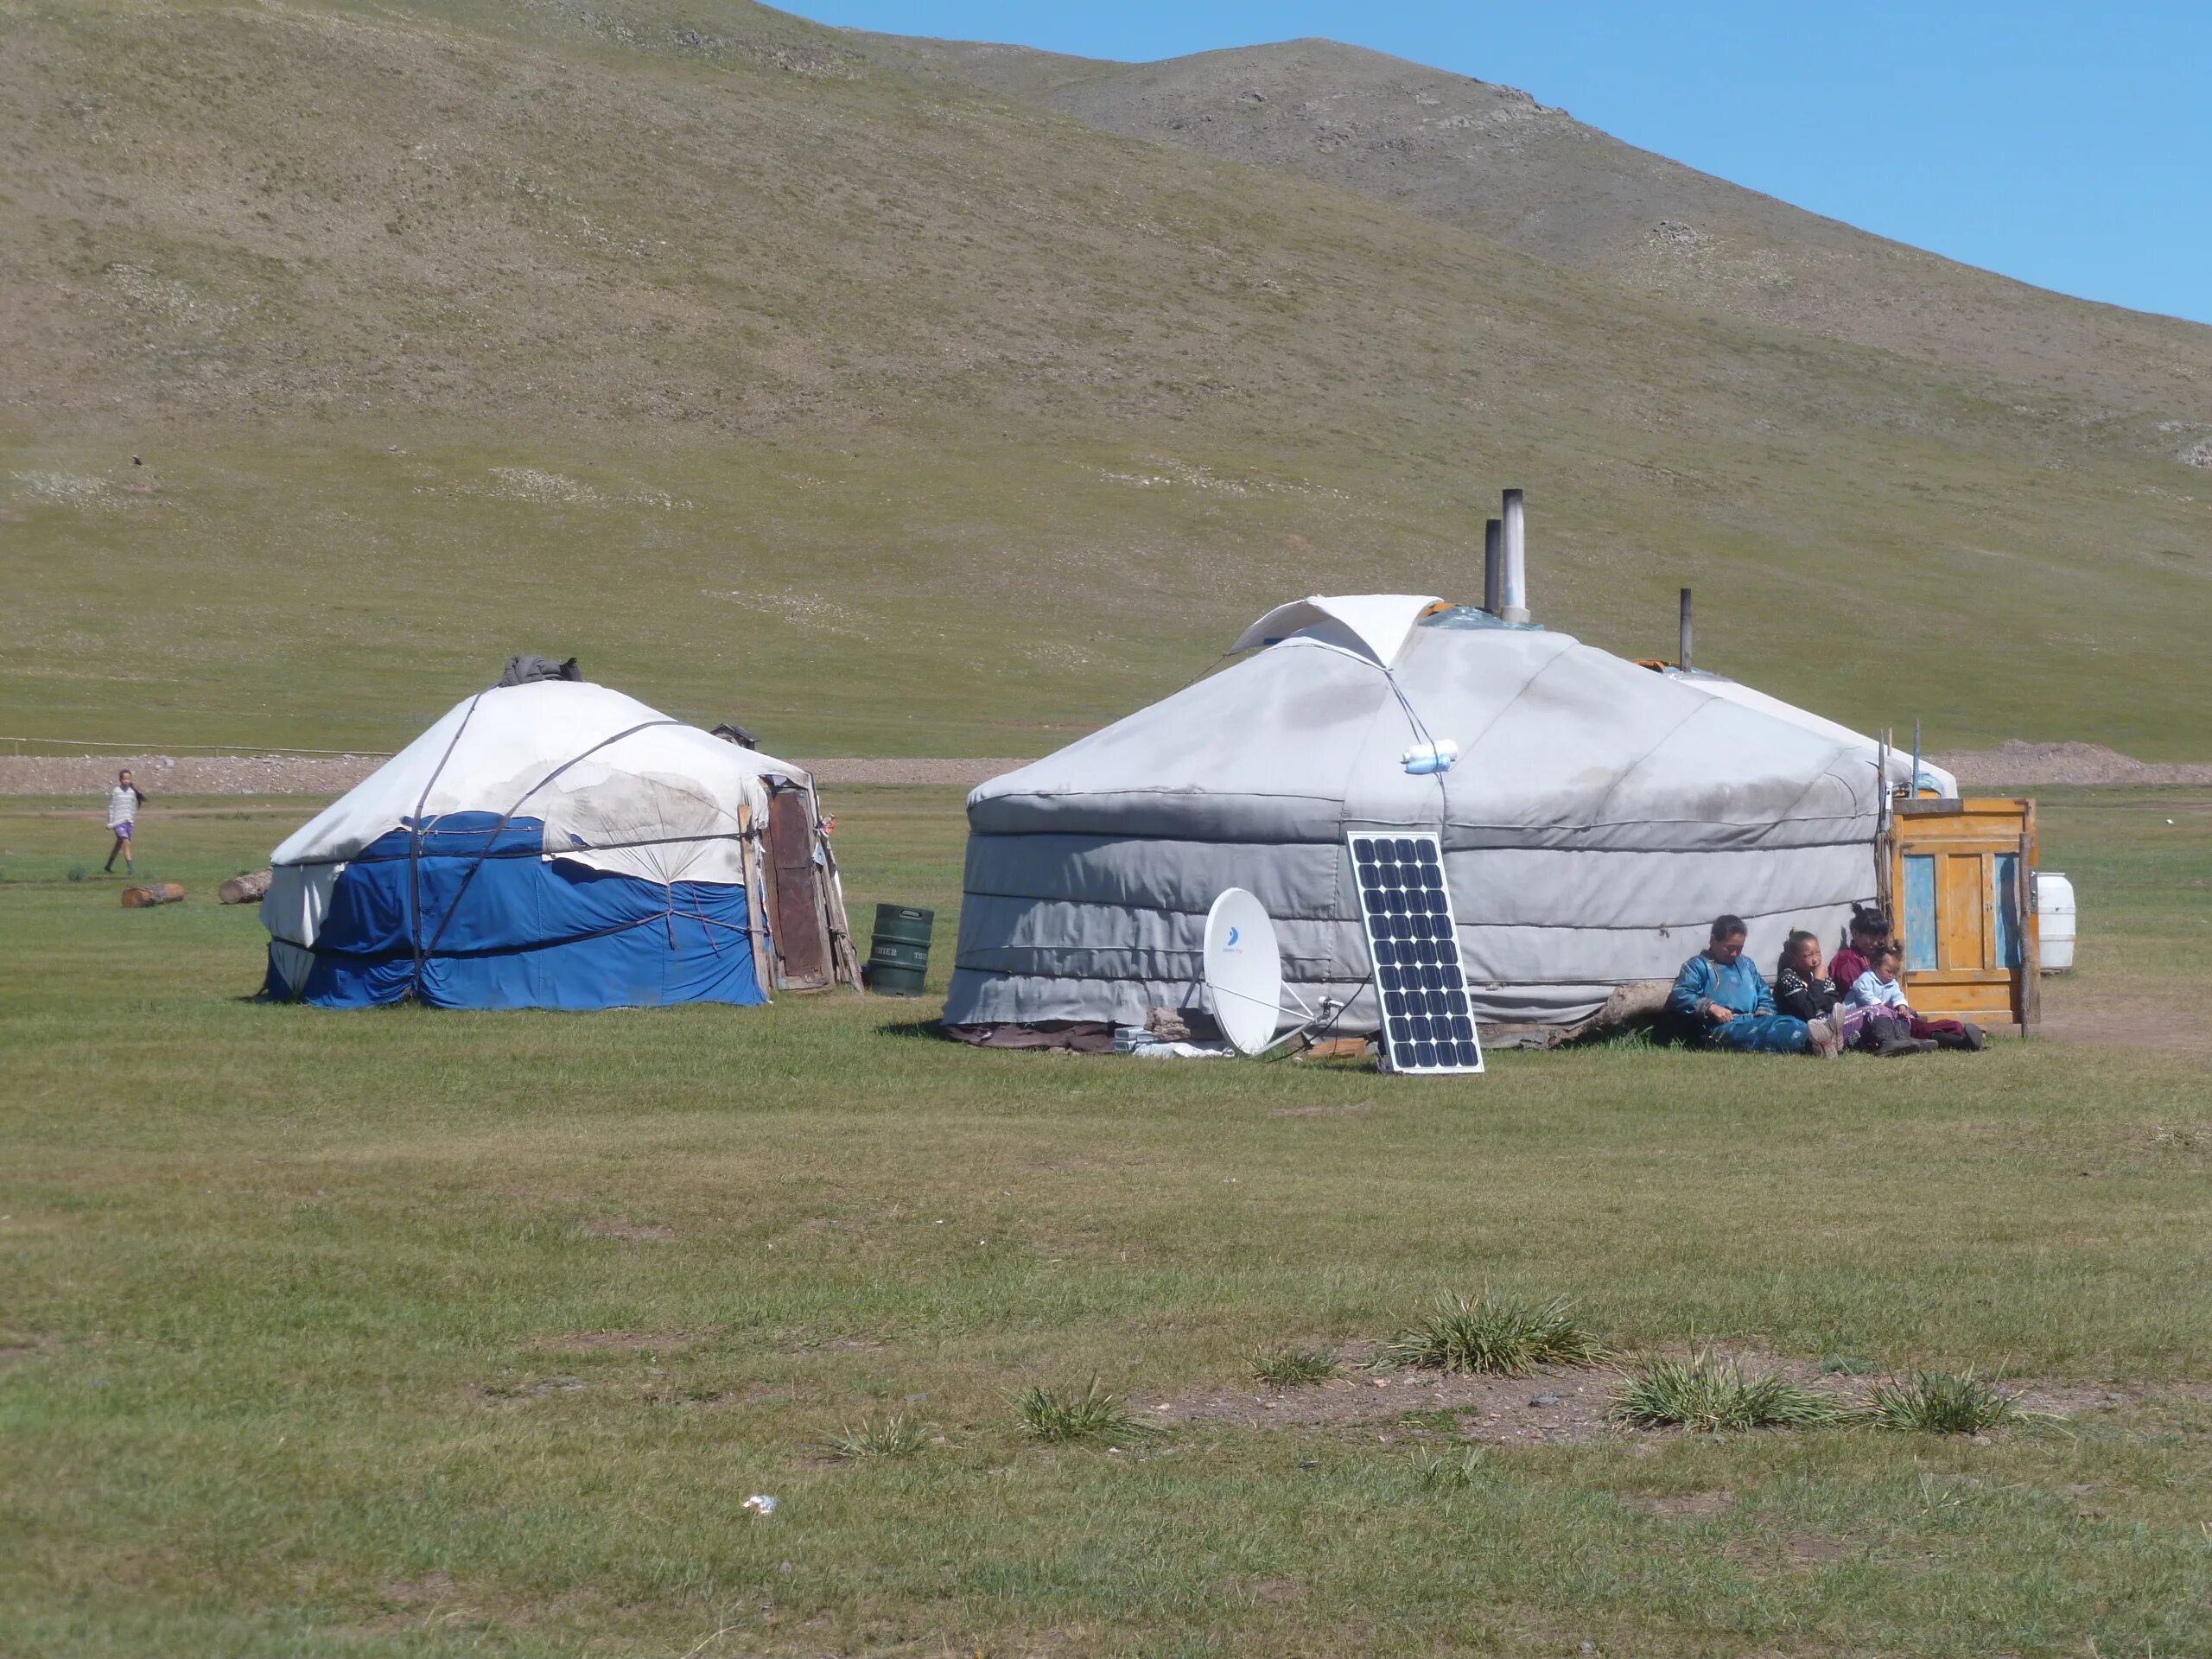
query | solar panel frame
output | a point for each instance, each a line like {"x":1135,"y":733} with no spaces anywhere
{"x":1420,"y":985}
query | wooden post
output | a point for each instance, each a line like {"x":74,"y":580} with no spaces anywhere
{"x":756,"y":897}
{"x":2028,"y":929}
{"x":845,"y":955}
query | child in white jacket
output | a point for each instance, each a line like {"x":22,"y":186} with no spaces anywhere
{"x":1878,"y":987}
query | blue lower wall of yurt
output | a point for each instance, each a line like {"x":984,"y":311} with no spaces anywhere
{"x":502,"y":927}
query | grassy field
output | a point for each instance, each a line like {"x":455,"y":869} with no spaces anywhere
{"x":419,"y":1333}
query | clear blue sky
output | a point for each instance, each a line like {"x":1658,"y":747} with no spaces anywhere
{"x":2068,"y":145}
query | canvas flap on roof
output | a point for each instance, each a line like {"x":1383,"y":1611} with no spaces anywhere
{"x":1374,"y":626}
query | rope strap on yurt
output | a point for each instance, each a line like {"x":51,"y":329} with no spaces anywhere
{"x":422,"y":952}
{"x":415,"y":844}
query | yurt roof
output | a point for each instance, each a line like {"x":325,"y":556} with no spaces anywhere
{"x":497,"y":751}
{"x":1561,"y":744}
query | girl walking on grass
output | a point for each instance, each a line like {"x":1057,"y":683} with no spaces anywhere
{"x":123,"y":803}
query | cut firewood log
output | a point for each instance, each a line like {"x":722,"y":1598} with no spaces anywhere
{"x":1337,"y":1048}
{"x":154,"y":892}
{"x":244,"y":889}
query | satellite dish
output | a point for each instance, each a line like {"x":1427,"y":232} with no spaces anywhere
{"x":1243,"y":969}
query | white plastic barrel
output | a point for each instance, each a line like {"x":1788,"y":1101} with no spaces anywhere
{"x":2055,"y":914}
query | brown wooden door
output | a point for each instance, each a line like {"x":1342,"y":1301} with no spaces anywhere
{"x":1960,"y":875}
{"x":801,"y":935}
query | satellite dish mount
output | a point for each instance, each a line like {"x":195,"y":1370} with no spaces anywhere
{"x":1244,"y":975}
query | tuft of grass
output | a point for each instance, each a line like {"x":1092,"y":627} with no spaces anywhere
{"x":1436,"y":1471}
{"x":896,"y":1436}
{"x":1940,"y":1402}
{"x":1061,"y":1415}
{"x":1285,"y":1368}
{"x":1847,"y":1366}
{"x":1493,"y":1336}
{"x":1709,"y":1395}
{"x":78,"y":873}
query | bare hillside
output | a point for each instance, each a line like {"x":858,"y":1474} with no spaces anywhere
{"x":1494,"y":160}
{"x":905,"y":417}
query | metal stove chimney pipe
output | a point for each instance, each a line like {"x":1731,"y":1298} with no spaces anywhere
{"x":1682,"y":648}
{"x":1493,"y":564}
{"x":1514,"y":595}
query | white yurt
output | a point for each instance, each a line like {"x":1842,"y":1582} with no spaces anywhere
{"x":1933,"y":779}
{"x":552,"y":844}
{"x":1599,"y":817}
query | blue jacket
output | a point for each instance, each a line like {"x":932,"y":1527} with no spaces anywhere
{"x":1705,"y":983}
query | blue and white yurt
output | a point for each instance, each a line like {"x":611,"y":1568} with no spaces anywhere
{"x":551,"y":844}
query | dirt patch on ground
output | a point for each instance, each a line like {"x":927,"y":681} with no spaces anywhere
{"x":1683,"y":1506}
{"x":279,"y":774}
{"x":1553,"y":1406}
{"x":508,"y":1393}
{"x":2120,"y":1024}
{"x":617,"y":1342}
{"x":2017,"y":764}
{"x":431,"y":1587}
{"x":630,"y":1231}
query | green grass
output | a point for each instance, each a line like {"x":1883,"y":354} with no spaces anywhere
{"x":1711,"y":1395}
{"x":314,"y":1341}
{"x":896,"y":1435}
{"x":1287,"y":1367}
{"x":1492,"y":1335}
{"x":1059,"y":1416}
{"x":1940,"y":1402}
{"x":1449,"y":1472}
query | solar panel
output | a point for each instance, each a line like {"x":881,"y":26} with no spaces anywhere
{"x":1428,"y":1025}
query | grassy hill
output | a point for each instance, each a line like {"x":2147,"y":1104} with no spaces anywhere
{"x":779,"y":375}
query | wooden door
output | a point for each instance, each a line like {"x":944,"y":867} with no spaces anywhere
{"x":798,"y":920}
{"x":1960,"y":881}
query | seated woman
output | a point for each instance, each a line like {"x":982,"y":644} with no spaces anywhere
{"x":1869,"y":928}
{"x":1719,"y":1001}
{"x":1878,"y":987}
{"x":1799,"y":989}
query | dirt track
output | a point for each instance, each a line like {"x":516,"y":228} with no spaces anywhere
{"x":2014,"y":765}
{"x":276,"y":774}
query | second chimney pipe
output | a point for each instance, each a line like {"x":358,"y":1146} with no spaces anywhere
{"x":1513,"y":596}
{"x":1493,"y":564}
{"x":1682,"y":648}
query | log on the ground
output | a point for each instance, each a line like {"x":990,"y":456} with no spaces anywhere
{"x":244,"y":889}
{"x":153,"y":893}
{"x":1632,"y":1005}
{"x":1337,"y":1048}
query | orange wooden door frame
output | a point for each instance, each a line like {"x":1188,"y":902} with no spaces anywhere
{"x":1969,"y":980}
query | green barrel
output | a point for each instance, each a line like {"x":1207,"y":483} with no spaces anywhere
{"x":898,"y":954}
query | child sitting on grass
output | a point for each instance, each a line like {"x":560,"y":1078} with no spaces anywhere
{"x":1800,"y":989}
{"x":1878,"y":987}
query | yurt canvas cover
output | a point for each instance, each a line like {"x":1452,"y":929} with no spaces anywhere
{"x":1599,"y":817}
{"x":555,"y":844}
